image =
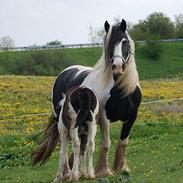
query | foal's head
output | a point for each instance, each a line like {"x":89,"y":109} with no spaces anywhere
{"x":117,"y":47}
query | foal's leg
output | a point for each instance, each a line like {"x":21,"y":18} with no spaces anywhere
{"x":102,"y":169}
{"x":83,"y":140}
{"x":92,"y":129}
{"x":76,"y":150}
{"x":120,"y":162}
{"x":63,"y":169}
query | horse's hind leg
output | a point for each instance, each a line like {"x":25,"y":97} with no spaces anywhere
{"x":92,"y":129}
{"x":120,"y":162}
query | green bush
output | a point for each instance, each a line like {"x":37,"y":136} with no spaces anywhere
{"x":153,"y":48}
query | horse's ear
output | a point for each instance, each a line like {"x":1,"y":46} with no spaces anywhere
{"x":106,"y":26}
{"x":123,"y":25}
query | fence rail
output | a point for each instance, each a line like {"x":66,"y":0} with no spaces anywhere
{"x":62,"y":46}
{"x":44,"y":47}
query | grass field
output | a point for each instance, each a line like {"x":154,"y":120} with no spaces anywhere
{"x":155,"y":151}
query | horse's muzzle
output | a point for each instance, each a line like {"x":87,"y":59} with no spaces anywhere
{"x":118,"y":69}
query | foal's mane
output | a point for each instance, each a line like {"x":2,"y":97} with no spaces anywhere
{"x":129,"y":80}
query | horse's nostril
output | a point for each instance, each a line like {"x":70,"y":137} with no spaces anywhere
{"x":123,"y":66}
{"x":113,"y":66}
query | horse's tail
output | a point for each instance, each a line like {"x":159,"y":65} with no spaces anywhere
{"x":84,"y":107}
{"x":51,"y":136}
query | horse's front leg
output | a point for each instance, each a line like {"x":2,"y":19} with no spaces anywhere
{"x":102,"y":168}
{"x":120,"y":162}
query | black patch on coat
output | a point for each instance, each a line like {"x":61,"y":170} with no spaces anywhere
{"x":121,"y":108}
{"x":83,"y":98}
{"x":64,"y":82}
{"x":83,"y":101}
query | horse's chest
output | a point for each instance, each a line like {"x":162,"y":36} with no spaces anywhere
{"x":118,"y":108}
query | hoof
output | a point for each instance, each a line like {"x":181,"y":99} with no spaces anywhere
{"x":67,"y":176}
{"x":126,"y":169}
{"x":103,"y":172}
{"x":91,"y":176}
{"x":83,"y":173}
{"x":74,"y":177}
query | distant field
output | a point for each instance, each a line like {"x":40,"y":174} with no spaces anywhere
{"x":51,"y":62}
{"x":155,"y":151}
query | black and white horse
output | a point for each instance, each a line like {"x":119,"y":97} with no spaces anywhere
{"x":77,"y":121}
{"x":115,"y":81}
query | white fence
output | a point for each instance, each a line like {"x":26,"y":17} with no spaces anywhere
{"x":86,"y":45}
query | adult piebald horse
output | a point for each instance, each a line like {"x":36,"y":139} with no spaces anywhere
{"x":115,"y":80}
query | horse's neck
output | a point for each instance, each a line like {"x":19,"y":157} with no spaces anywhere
{"x":101,"y":81}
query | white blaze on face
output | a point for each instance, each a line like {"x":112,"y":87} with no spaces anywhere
{"x":118,"y":51}
{"x":117,"y":62}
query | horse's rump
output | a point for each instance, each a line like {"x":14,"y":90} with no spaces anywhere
{"x":66,"y":80}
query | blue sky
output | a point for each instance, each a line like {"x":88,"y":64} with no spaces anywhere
{"x":31,"y":22}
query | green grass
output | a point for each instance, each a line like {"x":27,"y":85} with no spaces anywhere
{"x":153,"y":157}
{"x":51,"y":62}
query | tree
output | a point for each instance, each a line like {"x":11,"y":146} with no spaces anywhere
{"x":55,"y":42}
{"x":6,"y":43}
{"x":139,"y":31}
{"x":156,"y":24}
{"x":179,"y":26}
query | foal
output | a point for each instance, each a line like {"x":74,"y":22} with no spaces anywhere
{"x":77,"y":122}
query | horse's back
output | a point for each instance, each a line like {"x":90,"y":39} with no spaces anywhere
{"x":70,"y":77}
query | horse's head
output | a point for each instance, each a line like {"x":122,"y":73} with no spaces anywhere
{"x":117,"y":47}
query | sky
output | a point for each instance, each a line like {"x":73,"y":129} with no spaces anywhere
{"x":31,"y":22}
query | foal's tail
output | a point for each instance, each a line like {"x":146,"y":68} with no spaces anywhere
{"x":51,"y":136}
{"x":84,"y":106}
